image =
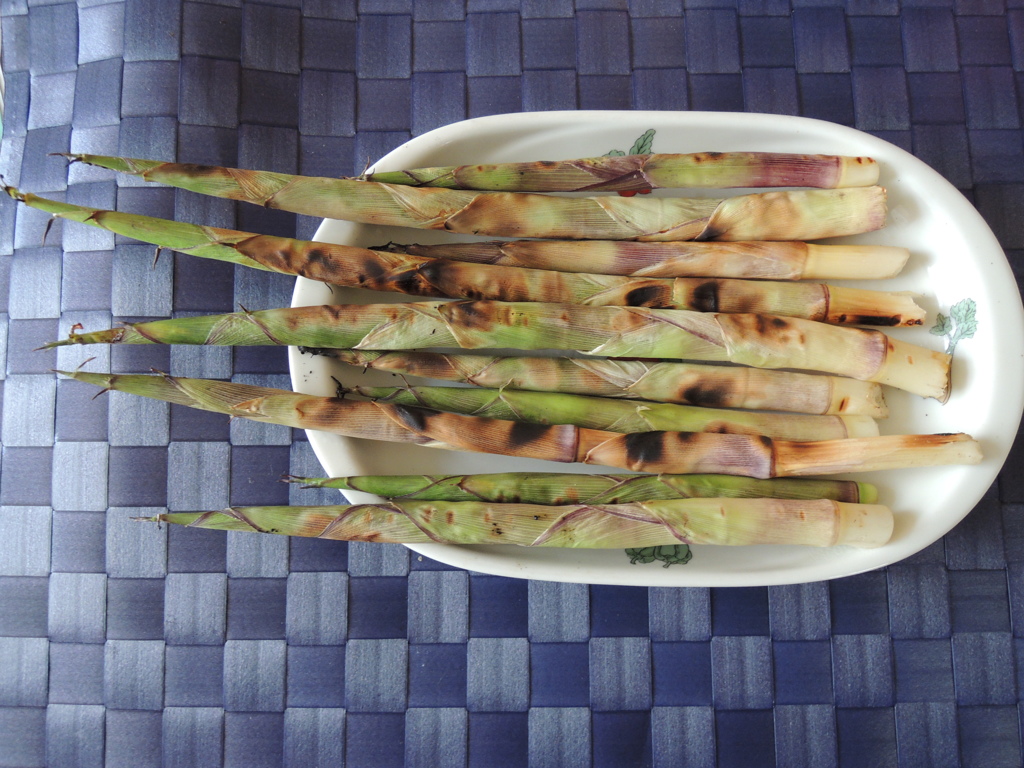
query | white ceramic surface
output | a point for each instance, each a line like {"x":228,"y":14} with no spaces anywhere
{"x":954,"y":256}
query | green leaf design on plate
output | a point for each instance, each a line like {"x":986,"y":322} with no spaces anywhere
{"x":943,"y":325}
{"x":965,"y":316}
{"x":672,"y":554}
{"x":962,"y":323}
{"x":642,"y":146}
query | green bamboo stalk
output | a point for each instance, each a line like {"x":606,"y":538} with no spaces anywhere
{"x":653,"y":452}
{"x":765,"y":260}
{"x":645,"y":172}
{"x":421,"y":276}
{"x":554,"y":488}
{"x":779,"y":215}
{"x":760,"y":341}
{"x":712,"y":386}
{"x":616,"y":415}
{"x":726,"y":522}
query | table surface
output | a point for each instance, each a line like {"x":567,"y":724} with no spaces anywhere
{"x":121,"y":645}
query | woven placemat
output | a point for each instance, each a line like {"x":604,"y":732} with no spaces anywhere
{"x":121,"y":645}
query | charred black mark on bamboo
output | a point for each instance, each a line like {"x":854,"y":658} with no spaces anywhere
{"x":319,"y":257}
{"x":644,"y":448}
{"x":286,"y":256}
{"x":408,"y":281}
{"x":434,"y":272}
{"x":769,"y":328}
{"x":883,"y":321}
{"x":191,"y":169}
{"x":442,"y":278}
{"x":415,"y":419}
{"x":468,"y":314}
{"x":521,"y":433}
{"x":705,"y":297}
{"x":716,"y":395}
{"x":370,"y":270}
{"x":649,"y":296}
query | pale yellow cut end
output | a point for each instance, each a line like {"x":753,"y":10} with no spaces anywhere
{"x":864,"y":525}
{"x":916,"y":369}
{"x":855,"y":306}
{"x":870,"y":454}
{"x":857,"y":172}
{"x":855,"y":397}
{"x":854,"y":262}
{"x":860,"y":426}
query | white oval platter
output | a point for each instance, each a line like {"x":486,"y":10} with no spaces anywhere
{"x":955,"y":260}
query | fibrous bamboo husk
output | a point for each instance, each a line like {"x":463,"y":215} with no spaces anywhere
{"x":653,"y":452}
{"x":644,"y":172}
{"x":559,"y":488}
{"x":421,"y":276}
{"x":712,"y":386}
{"x":763,"y":260}
{"x":724,"y":521}
{"x":760,"y":341}
{"x":617,"y":415}
{"x":776,"y":215}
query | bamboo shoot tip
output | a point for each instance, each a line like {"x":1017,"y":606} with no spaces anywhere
{"x":867,"y":493}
